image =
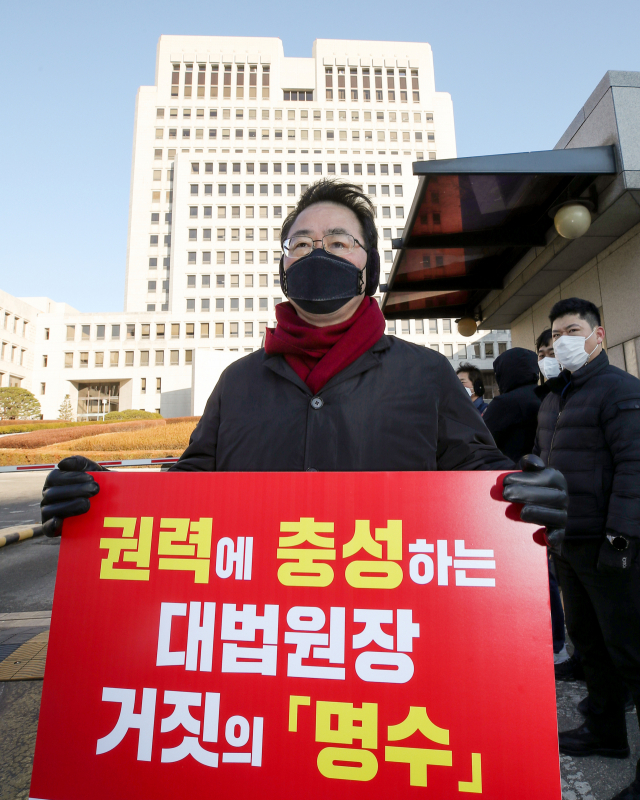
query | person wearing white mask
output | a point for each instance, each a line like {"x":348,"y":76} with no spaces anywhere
{"x":547,"y":362}
{"x":589,"y":428}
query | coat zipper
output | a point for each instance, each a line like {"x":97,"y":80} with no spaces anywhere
{"x":554,"y":436}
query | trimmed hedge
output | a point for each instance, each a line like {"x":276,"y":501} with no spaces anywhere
{"x":131,"y":413}
{"x":38,"y":438}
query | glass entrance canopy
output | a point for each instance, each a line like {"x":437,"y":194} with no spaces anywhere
{"x":473,"y":219}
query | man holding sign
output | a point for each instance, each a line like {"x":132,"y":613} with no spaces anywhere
{"x":330,"y":391}
{"x":317,"y":618}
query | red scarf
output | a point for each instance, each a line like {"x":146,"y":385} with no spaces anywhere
{"x":317,"y":354}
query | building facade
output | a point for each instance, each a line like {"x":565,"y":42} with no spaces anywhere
{"x":224,"y":143}
{"x":603,"y":266}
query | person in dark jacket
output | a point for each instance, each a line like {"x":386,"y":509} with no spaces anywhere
{"x":547,"y":362}
{"x":330,"y":391}
{"x":471,"y":378}
{"x":512,"y":416}
{"x":589,"y":428}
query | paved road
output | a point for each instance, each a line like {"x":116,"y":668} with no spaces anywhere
{"x":27,"y":579}
{"x":20,"y":495}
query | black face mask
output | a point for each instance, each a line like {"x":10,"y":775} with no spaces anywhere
{"x":321,"y":283}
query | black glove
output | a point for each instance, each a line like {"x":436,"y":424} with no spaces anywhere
{"x":543,"y":491}
{"x":66,"y":492}
{"x":611,"y":559}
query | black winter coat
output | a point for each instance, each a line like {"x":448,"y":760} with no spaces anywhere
{"x":512,"y":416}
{"x":589,"y":429}
{"x":397,"y":407}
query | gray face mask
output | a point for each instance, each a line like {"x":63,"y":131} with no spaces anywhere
{"x":321,"y":283}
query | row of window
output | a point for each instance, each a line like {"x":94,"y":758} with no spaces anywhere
{"x":12,"y":353}
{"x":366,"y":76}
{"x":234,"y":304}
{"x":175,"y":330}
{"x":158,"y":358}
{"x":112,"y":358}
{"x":171,"y":154}
{"x":205,"y":255}
{"x":12,"y":380}
{"x":302,"y":114}
{"x":221,"y":78}
{"x":276,"y":168}
{"x":264,"y":134}
{"x":250,"y":233}
{"x":14,"y":324}
{"x":218,"y":80}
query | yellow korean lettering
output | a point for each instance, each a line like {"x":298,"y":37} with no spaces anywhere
{"x":365,"y":764}
{"x":295,"y":701}
{"x":177,"y":530}
{"x":130,"y":549}
{"x":474,"y":786}
{"x":362,"y":540}
{"x":346,"y":731}
{"x":392,"y":535}
{"x":306,"y":570}
{"x":307,"y":529}
{"x":418,"y":760}
{"x":302,"y":568}
{"x":373,"y":574}
{"x":417,"y":720}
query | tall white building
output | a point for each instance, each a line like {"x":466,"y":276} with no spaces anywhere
{"x":224,"y":143}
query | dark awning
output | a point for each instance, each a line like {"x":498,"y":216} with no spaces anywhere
{"x":472,"y":220}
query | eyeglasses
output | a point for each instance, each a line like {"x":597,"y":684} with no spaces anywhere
{"x":338,"y":244}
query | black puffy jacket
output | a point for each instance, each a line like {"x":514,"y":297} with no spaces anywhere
{"x":398,"y":407}
{"x":512,"y":416}
{"x":589,"y":429}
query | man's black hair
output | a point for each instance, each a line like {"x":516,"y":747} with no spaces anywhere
{"x":574,"y":305}
{"x":473,"y":372}
{"x":344,"y":194}
{"x":544,"y":340}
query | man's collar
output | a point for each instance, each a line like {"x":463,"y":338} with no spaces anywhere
{"x":278,"y":364}
{"x":580,"y":376}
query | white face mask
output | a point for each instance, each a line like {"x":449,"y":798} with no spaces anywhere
{"x":549,"y":367}
{"x":570,"y":351}
{"x":469,"y":391}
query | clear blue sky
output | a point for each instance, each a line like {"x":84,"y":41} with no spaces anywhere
{"x":518,"y":73}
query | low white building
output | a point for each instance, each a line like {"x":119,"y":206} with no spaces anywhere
{"x":225,"y":141}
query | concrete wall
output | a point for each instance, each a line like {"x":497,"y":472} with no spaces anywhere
{"x":612,"y":282}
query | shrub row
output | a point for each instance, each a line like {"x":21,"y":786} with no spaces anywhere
{"x":37,"y":439}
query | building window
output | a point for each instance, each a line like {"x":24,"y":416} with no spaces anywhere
{"x":68,"y":360}
{"x":99,"y":359}
{"x":204,"y":330}
{"x":191,"y":304}
{"x":448,"y":350}
{"x":128,"y":358}
{"x":143,"y":386}
{"x":174,"y":358}
{"x":114,"y":358}
{"x":158,"y":384}
{"x":160,"y":330}
{"x":115,"y":331}
{"x":144,"y":358}
{"x":159,"y":358}
{"x":502,"y":347}
{"x":219,"y":330}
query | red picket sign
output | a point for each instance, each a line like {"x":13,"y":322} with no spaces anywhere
{"x":297,"y":635}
